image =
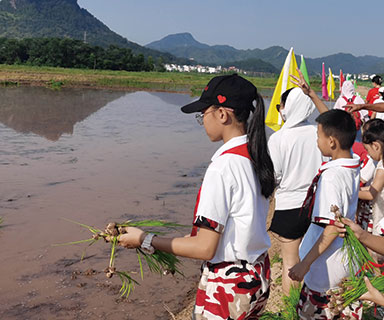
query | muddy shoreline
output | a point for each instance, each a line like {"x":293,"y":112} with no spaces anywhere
{"x":90,"y":156}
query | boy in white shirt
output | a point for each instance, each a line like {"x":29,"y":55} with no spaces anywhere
{"x":322,"y":265}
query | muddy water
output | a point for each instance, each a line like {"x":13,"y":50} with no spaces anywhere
{"x":93,"y":157}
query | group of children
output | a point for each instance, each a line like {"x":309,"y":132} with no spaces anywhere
{"x":230,"y":218}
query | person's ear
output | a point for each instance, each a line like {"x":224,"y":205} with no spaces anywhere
{"x":333,"y":142}
{"x":376,"y":146}
{"x":223,"y":115}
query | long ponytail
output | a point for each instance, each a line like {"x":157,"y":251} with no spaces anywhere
{"x":258,"y":149}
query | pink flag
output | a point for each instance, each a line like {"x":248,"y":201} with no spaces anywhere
{"x":341,"y":79}
{"x":324,"y":85}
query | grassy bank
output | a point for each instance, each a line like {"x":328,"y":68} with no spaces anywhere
{"x":56,"y":78}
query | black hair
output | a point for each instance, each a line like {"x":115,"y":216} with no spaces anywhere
{"x":340,"y":125}
{"x":377,"y":79}
{"x":257,"y":145}
{"x":284,"y":96}
{"x":373,"y":130}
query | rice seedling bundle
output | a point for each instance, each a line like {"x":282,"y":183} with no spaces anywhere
{"x":288,"y":307}
{"x":351,"y":288}
{"x":159,"y":262}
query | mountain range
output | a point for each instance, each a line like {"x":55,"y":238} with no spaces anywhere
{"x":186,"y":46}
{"x":64,"y":18}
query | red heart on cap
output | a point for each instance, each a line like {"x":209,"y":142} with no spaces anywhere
{"x":221,"y":98}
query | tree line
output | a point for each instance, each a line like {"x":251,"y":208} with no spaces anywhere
{"x":70,"y":53}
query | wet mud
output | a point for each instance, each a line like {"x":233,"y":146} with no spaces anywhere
{"x":92,"y":157}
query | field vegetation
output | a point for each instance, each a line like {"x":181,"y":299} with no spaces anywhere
{"x":58,"y":77}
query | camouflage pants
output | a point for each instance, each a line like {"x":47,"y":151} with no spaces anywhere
{"x":233,"y":290}
{"x":313,"y":305}
{"x":364,"y":215}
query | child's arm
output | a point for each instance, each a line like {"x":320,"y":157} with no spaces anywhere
{"x":373,"y":242}
{"x":379,"y":107}
{"x":298,"y":271}
{"x":376,"y":186}
{"x":203,"y":246}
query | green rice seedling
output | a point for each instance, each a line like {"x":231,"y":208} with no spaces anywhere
{"x":279,"y":280}
{"x":290,"y":303}
{"x":350,"y":289}
{"x":276,"y":259}
{"x":271,"y":316}
{"x":159,"y":262}
{"x":288,"y":308}
{"x":357,"y":254}
{"x":127,"y":283}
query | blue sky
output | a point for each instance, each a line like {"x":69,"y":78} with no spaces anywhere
{"x":313,"y":28}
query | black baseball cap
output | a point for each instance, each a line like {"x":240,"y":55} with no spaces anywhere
{"x":231,"y":91}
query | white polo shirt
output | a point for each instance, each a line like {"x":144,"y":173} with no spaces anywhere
{"x":338,"y":185}
{"x":231,"y":196}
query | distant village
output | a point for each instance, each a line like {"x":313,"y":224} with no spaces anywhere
{"x":198,"y":68}
{"x":220,"y":69}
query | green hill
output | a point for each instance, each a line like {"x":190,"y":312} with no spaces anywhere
{"x":184,"y":45}
{"x":21,"y":19}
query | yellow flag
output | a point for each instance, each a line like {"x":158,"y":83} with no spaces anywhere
{"x":273,"y":119}
{"x":331,"y":85}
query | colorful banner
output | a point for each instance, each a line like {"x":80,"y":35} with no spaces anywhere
{"x":303,"y":69}
{"x":324,"y":85}
{"x":331,"y":85}
{"x":341,"y":80}
{"x":273,"y":119}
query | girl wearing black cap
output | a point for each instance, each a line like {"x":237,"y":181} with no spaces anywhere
{"x":229,"y":226}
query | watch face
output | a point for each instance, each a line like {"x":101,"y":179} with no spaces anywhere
{"x":146,"y":245}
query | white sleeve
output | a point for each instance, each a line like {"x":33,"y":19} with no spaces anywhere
{"x":326,"y":195}
{"x":275,"y":153}
{"x":215,"y":197}
{"x":368,"y":171}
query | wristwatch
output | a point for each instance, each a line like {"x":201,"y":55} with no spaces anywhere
{"x":146,"y":246}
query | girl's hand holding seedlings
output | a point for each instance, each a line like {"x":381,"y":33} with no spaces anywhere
{"x":354,"y":227}
{"x":133,"y":238}
{"x":373,"y":294}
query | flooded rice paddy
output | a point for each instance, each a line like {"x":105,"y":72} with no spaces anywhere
{"x":93,"y":156}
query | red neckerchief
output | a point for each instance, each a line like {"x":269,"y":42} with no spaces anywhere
{"x":309,"y":202}
{"x":241,"y":150}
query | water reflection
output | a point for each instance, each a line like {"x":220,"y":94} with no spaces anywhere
{"x":48,"y":113}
